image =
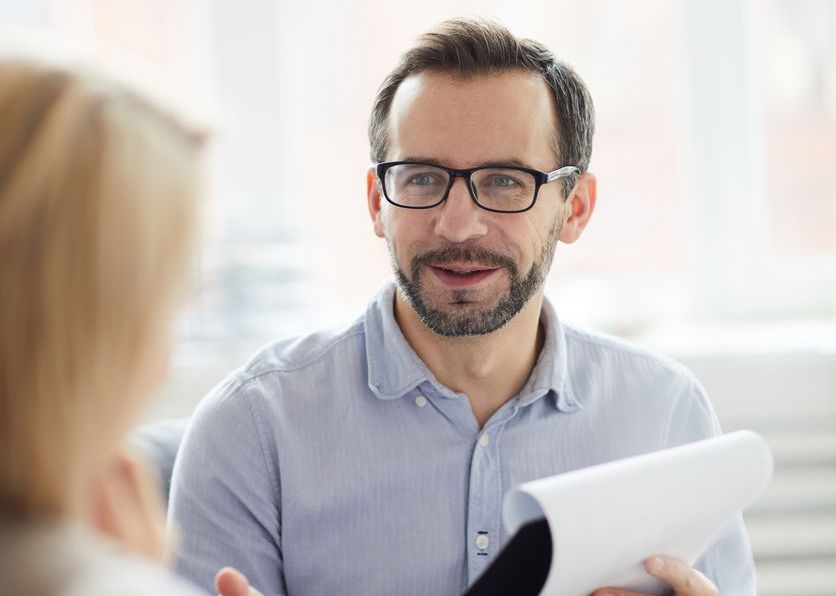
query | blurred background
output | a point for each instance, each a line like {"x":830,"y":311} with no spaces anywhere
{"x":714,"y":238}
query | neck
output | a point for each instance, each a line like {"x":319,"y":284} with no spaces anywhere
{"x":489,"y":369}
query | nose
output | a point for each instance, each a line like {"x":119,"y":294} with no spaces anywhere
{"x":459,"y":217}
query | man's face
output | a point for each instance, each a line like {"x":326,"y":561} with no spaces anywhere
{"x":465,"y":270}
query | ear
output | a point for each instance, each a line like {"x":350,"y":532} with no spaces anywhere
{"x":374,"y":199}
{"x":579,"y":207}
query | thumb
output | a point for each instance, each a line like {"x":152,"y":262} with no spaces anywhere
{"x":231,"y":582}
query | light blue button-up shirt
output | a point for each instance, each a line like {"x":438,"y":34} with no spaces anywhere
{"x":337,"y":463}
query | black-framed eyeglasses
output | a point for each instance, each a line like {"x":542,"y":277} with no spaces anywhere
{"x":498,"y":188}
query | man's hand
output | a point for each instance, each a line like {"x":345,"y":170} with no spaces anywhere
{"x":684,"y":580}
{"x":231,"y":582}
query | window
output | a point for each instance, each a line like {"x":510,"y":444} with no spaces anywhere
{"x":717,"y":200}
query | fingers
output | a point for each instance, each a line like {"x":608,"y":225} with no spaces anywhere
{"x":231,"y":582}
{"x":616,"y":592}
{"x":685,"y":580}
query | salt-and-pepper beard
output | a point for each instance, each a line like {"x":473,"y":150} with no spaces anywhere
{"x":469,"y":322}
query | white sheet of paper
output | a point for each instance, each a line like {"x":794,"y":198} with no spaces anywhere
{"x":606,"y":520}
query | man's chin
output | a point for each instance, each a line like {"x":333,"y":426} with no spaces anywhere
{"x":457,"y":305}
{"x":455,"y":312}
{"x":462,"y":324}
{"x":459,"y":319}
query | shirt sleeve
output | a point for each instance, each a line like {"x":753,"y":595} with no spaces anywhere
{"x":225,"y":494}
{"x":728,"y":560}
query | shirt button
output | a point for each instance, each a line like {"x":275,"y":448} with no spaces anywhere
{"x":420,"y":401}
{"x":484,"y":440}
{"x":482,"y":541}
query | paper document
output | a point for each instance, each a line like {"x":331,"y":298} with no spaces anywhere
{"x":579,"y":531}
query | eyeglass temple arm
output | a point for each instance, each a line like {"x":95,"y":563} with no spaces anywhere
{"x":562,"y":173}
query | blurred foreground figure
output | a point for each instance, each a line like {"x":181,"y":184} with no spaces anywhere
{"x":98,"y":187}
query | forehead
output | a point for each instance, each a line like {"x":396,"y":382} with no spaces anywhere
{"x":466,"y":122}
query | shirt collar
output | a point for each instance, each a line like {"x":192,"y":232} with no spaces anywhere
{"x":551,"y":375}
{"x":394,"y":369}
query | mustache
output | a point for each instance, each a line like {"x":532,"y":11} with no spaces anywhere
{"x":457,"y":254}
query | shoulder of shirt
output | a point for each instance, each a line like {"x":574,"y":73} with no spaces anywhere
{"x":296,"y":353}
{"x":609,"y":347}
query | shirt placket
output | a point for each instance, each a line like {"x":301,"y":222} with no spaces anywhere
{"x":484,"y":511}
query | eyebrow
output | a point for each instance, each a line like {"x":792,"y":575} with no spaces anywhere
{"x":496,"y":163}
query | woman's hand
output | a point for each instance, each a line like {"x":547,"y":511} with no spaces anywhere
{"x":126,"y":506}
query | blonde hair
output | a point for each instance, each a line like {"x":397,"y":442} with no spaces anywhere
{"x":98,"y":185}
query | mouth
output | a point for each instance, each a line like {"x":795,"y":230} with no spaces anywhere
{"x":462,"y":275}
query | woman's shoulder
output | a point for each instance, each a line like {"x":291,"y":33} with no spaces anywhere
{"x":125,"y":575}
{"x":66,"y":559}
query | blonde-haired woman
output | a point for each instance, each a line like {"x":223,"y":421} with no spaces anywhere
{"x":98,"y":185}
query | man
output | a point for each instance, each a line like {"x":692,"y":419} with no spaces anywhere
{"x":373,"y":459}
